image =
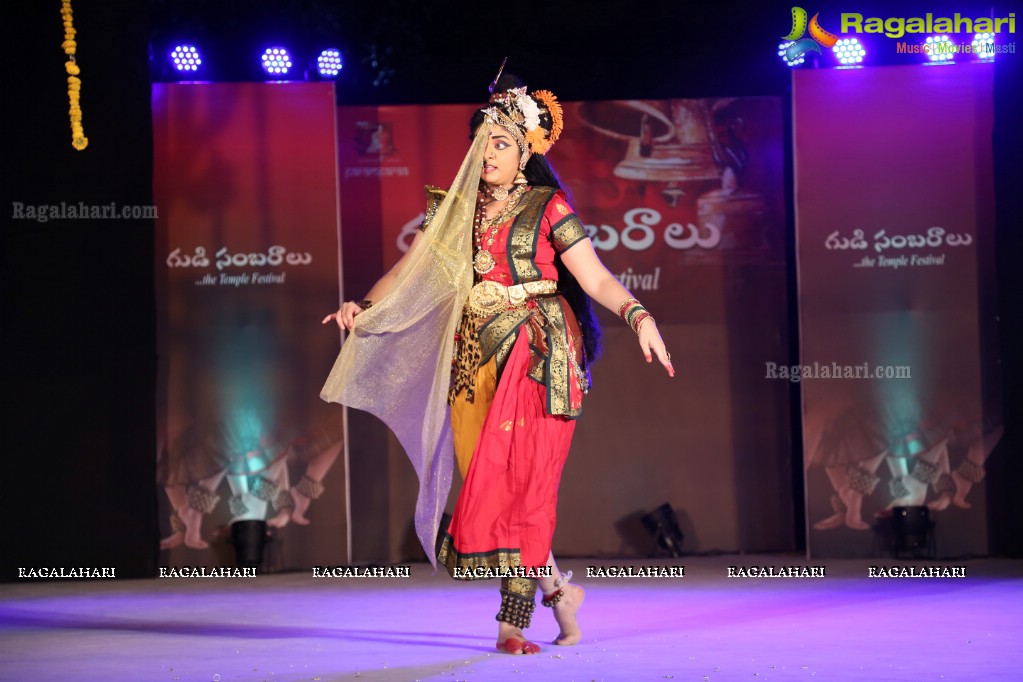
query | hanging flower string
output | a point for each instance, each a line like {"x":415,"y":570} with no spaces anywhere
{"x":74,"y":84}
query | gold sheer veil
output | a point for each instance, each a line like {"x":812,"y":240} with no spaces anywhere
{"x":396,"y":363}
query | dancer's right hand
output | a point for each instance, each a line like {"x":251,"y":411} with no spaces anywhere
{"x":345,"y":315}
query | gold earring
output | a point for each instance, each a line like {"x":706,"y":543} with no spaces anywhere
{"x":520,"y":179}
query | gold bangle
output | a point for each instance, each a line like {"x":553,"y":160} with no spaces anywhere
{"x":624,"y":306}
{"x":640,"y":319}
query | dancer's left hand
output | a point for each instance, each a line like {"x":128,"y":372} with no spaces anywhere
{"x":652,"y":344}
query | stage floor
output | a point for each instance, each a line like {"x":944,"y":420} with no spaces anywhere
{"x":704,"y":626}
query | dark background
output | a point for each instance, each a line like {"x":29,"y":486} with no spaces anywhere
{"x":78,"y":316}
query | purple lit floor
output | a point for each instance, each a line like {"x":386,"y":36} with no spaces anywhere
{"x":703,"y":627}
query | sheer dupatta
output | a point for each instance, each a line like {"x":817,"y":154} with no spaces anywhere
{"x":396,"y":363}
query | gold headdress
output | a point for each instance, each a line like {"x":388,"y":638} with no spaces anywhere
{"x":534,"y":120}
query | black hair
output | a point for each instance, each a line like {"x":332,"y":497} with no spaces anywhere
{"x":539,"y":173}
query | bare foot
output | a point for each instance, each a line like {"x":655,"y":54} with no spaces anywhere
{"x":301,"y":505}
{"x":193,"y":528}
{"x":962,"y":490}
{"x":511,"y":640}
{"x":833,"y":521}
{"x":853,"y":509}
{"x":173,"y":540}
{"x":280,"y":520}
{"x":565,"y":610}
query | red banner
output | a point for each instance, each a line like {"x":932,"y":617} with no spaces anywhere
{"x":247,"y":263}
{"x":895,"y":223}
{"x":661,"y":185}
{"x":684,"y":201}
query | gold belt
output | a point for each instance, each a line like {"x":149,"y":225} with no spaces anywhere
{"x":488,"y":297}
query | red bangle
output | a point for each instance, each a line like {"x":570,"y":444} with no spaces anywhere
{"x":639,"y":320}
{"x":623,"y":308}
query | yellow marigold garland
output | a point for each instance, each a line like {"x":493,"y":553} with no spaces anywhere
{"x":74,"y":84}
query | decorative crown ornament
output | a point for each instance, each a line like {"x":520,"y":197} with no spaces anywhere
{"x":522,"y":114}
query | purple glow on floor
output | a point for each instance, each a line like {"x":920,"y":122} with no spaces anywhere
{"x":704,"y":627}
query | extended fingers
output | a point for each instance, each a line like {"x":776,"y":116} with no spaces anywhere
{"x":344,"y":317}
{"x":666,"y":361}
{"x":655,"y":345}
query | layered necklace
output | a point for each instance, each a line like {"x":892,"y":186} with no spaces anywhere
{"x":485,"y":230}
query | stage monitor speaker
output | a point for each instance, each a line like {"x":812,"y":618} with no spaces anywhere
{"x":662,"y":523}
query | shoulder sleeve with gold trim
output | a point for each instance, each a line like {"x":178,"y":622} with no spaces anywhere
{"x":566,"y":228}
{"x":434,"y":195}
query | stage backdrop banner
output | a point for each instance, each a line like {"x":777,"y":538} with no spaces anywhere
{"x":247,"y":263}
{"x":894,"y":219}
{"x":684,"y":201}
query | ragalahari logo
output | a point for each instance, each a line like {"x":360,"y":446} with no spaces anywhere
{"x":800,"y":45}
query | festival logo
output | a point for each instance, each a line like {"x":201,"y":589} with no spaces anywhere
{"x":374,"y":139}
{"x":801,"y":45}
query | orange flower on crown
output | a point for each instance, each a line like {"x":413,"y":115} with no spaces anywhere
{"x":524,"y":112}
{"x":537,"y":141}
{"x":550,"y":102}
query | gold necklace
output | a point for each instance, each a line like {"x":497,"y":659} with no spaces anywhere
{"x":483,"y":262}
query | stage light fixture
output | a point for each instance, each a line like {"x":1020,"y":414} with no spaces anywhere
{"x":329,"y":63}
{"x":914,"y":531}
{"x":940,"y":50}
{"x":185,"y":59}
{"x":984,"y":46}
{"x":276,"y":61}
{"x":249,"y":538}
{"x":849,"y":51}
{"x":662,"y":523}
{"x":790,"y":63}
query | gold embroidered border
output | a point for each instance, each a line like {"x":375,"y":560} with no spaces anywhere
{"x":537,"y":364}
{"x":567,"y":232}
{"x":520,"y":587}
{"x":503,"y":351}
{"x":496,"y":335}
{"x":558,"y":370}
{"x":496,"y":559}
{"x":434,"y":195}
{"x":524,"y":234}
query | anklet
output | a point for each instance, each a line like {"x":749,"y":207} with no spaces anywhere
{"x":515,"y":610}
{"x":555,"y":597}
{"x":559,"y":590}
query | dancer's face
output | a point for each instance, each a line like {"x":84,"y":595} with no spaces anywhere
{"x":501,"y":159}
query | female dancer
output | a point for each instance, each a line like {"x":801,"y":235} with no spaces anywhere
{"x":522,"y":340}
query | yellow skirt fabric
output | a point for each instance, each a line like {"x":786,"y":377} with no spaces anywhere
{"x":467,"y":418}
